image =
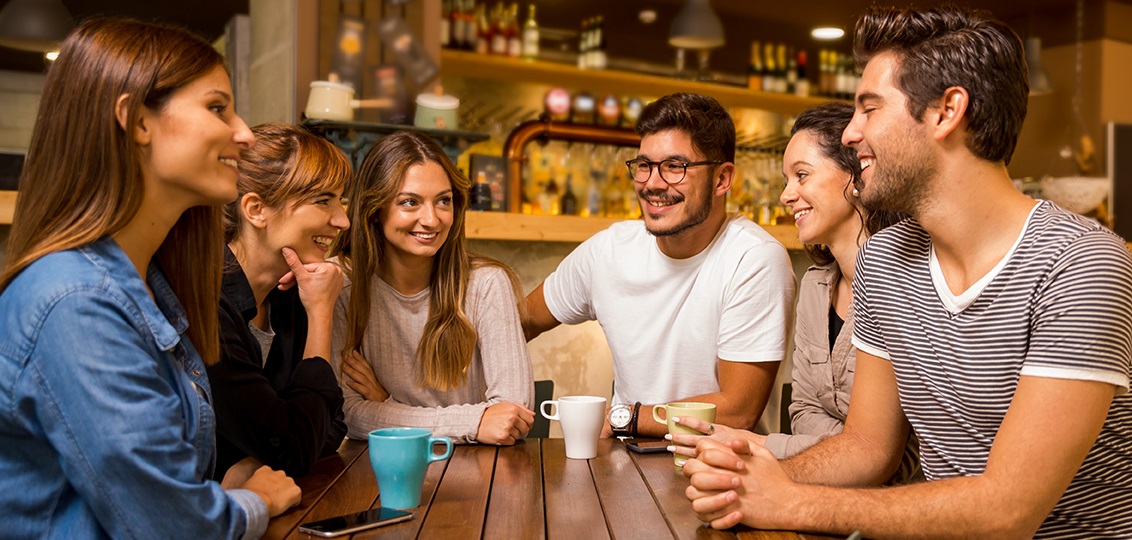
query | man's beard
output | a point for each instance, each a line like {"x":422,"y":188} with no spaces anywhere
{"x":696,"y":216}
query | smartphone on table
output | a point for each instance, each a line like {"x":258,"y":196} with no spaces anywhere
{"x":647,"y":446}
{"x":352,"y":523}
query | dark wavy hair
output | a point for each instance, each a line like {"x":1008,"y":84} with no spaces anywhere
{"x":950,"y":46}
{"x":705,"y":121}
{"x":826,"y":122}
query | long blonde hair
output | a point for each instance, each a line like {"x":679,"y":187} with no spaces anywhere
{"x":82,"y":179}
{"x":449,"y":339}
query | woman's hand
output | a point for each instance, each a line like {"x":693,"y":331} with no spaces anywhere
{"x":319,"y":282}
{"x":276,"y":489}
{"x":740,"y":483}
{"x":238,"y":474}
{"x":360,"y":377}
{"x":504,"y":424}
{"x":686,"y":444}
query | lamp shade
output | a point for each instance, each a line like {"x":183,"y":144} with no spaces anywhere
{"x":696,"y":27}
{"x":1039,"y":79}
{"x":34,"y":25}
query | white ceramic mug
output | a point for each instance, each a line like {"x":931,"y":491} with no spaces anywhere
{"x":335,"y":101}
{"x":582,"y":418}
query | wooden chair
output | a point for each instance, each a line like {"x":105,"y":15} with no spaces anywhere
{"x":544,"y":390}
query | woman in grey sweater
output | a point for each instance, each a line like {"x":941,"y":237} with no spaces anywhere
{"x":428,"y":335}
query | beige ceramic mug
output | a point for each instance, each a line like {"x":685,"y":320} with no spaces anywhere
{"x":330,"y":100}
{"x":703,"y":411}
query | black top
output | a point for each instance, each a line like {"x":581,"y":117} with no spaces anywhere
{"x":835,"y":325}
{"x":288,"y":412}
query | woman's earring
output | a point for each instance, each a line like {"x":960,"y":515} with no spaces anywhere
{"x":856,"y":192}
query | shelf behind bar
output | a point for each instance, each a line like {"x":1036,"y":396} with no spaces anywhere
{"x":533,"y":228}
{"x":482,"y":66}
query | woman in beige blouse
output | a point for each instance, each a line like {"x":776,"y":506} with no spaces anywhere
{"x":429,"y":335}
{"x":821,"y":175}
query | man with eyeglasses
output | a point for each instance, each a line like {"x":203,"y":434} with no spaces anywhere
{"x":695,"y":304}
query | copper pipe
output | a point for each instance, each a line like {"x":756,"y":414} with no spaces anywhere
{"x":548,"y":130}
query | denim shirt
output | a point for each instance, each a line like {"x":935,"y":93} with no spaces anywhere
{"x":105,"y":424}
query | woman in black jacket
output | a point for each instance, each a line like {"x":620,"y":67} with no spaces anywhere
{"x":276,"y":396}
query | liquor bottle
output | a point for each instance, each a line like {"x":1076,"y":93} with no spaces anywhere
{"x":593,"y":197}
{"x":471,"y":30}
{"x":481,"y":31}
{"x":548,"y":199}
{"x":780,"y":69}
{"x":598,"y":58}
{"x":445,"y":24}
{"x":584,"y":45}
{"x":514,"y":36}
{"x":755,"y":68}
{"x":530,"y":35}
{"x":823,"y":72}
{"x":569,"y":202}
{"x":498,"y":30}
{"x":802,"y":86}
{"x":768,"y":68}
{"x":481,"y":194}
{"x":791,"y":72}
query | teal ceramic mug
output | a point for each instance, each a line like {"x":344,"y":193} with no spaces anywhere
{"x":400,"y":457}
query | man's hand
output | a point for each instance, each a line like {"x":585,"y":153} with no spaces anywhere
{"x":276,"y":489}
{"x":504,"y":424}
{"x":736,"y":483}
{"x":360,"y":378}
{"x":686,"y":443}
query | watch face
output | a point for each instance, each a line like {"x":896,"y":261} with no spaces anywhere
{"x":620,"y":416}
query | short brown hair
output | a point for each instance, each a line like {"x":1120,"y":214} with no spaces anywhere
{"x":705,"y":121}
{"x":286,"y":163}
{"x":951,"y":46}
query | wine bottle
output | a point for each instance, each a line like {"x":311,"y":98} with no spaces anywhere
{"x":530,"y":35}
{"x":754,"y":69}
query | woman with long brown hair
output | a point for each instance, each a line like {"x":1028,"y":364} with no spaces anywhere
{"x":277,"y":398}
{"x":431,"y":335}
{"x":109,"y":293}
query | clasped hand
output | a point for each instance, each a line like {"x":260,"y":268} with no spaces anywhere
{"x":737,"y":482}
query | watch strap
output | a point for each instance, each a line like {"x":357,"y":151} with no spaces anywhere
{"x":633,"y":420}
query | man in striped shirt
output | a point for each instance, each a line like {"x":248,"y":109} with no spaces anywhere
{"x":999,"y":328}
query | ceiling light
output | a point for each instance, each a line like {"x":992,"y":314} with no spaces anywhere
{"x":647,"y":16}
{"x":51,"y":56}
{"x":827,"y":33}
{"x":34,"y":25}
{"x":696,"y":27}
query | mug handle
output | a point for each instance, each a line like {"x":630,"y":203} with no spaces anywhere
{"x":547,"y":415}
{"x":657,"y":417}
{"x":447,"y":448}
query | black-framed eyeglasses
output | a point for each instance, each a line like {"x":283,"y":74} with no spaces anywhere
{"x":671,"y":171}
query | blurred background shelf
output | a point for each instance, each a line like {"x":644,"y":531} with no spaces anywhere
{"x":512,"y":70}
{"x":541,"y":228}
{"x":7,"y":206}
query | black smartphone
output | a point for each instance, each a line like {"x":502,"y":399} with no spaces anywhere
{"x":352,"y":523}
{"x":647,"y":446}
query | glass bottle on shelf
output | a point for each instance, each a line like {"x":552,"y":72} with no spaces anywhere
{"x":481,"y":193}
{"x":530,"y":35}
{"x":769,"y":84}
{"x":498,"y":30}
{"x":754,"y":69}
{"x":548,"y":199}
{"x":791,"y":72}
{"x":470,"y":24}
{"x":584,"y":45}
{"x":568,"y":204}
{"x":802,"y":86}
{"x":598,"y":58}
{"x":446,"y":24}
{"x":514,"y":36}
{"x":481,"y":31}
{"x":780,"y":69}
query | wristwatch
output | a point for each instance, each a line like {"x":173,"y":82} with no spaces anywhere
{"x":623,"y":419}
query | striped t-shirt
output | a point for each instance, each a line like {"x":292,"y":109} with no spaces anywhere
{"x":1058,"y":305}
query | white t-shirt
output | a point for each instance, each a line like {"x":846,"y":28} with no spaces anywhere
{"x":668,"y":320}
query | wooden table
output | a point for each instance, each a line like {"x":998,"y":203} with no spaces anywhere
{"x":529,"y":490}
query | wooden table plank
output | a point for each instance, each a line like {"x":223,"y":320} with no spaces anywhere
{"x":353,"y":491}
{"x":667,"y":487}
{"x":459,"y":507}
{"x":629,"y":507}
{"x":573,"y":509}
{"x":315,"y":485}
{"x":407,"y":530}
{"x":516,"y":506}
